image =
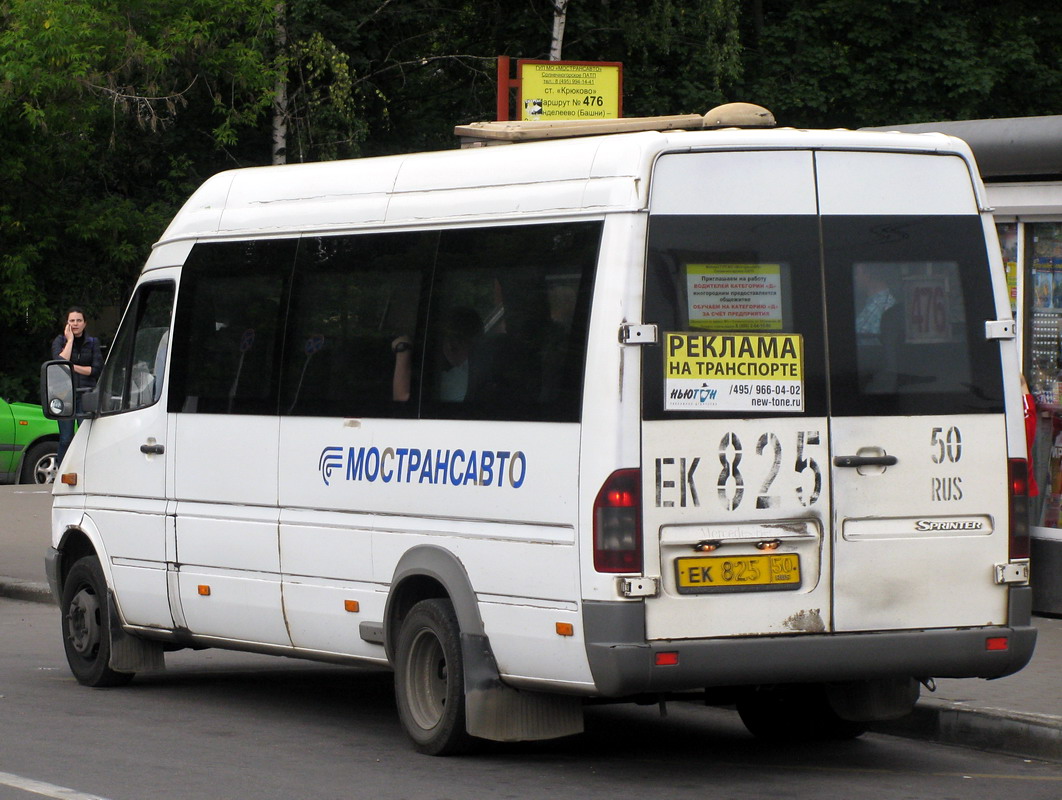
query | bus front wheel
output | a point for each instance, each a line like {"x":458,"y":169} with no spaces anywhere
{"x":86,"y":625}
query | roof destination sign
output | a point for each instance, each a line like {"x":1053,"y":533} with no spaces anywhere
{"x":553,"y":90}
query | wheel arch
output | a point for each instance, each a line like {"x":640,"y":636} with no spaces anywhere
{"x":493,"y":710}
{"x":429,"y":572}
{"x":78,"y":541}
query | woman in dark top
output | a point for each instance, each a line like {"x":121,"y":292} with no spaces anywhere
{"x":84,"y":353}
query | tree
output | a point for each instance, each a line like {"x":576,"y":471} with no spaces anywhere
{"x":678,"y":57}
{"x":851,"y":63}
{"x":423,"y":67}
{"x":281,"y":108}
{"x":110,"y":112}
{"x":560,"y":13}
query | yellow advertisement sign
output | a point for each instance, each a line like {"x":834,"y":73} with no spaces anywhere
{"x":734,"y":372}
{"x":552,"y":90}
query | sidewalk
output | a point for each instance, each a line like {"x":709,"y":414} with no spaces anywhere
{"x":1020,"y":715}
{"x":25,"y":514}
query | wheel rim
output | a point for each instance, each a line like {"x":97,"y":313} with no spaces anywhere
{"x":46,"y":469}
{"x":427,"y":680}
{"x":83,"y":623}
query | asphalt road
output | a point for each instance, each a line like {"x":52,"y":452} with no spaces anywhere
{"x":25,"y":517}
{"x":229,"y":725}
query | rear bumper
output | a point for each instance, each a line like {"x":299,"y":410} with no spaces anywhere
{"x":623,"y":662}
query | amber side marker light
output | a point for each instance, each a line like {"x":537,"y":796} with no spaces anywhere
{"x":69,"y":478}
{"x":204,"y":590}
{"x":353,"y":606}
{"x":667,"y":659}
{"x":997,"y":643}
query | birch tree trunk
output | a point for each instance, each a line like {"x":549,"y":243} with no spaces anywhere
{"x":560,"y":12}
{"x":280,"y":97}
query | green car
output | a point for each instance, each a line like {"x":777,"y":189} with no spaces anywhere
{"x":28,"y":444}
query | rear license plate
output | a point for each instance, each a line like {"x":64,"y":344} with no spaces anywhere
{"x":706,"y":574}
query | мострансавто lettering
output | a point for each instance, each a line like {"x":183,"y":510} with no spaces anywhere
{"x":449,"y":467}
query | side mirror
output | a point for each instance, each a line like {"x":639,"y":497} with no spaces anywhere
{"x":57,"y":389}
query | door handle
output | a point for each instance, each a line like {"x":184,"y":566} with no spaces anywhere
{"x":864,"y":461}
{"x":152,"y":449}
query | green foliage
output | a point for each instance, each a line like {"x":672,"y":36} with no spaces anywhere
{"x":855,"y":63}
{"x":419,"y":67}
{"x":111,"y":111}
{"x":677,"y":56}
{"x":324,"y":106}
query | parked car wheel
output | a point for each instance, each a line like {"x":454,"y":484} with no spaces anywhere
{"x":40,"y":464}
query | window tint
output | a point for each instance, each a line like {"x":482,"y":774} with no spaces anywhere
{"x":908,"y":299}
{"x":342,"y":325}
{"x":231,"y":311}
{"x":742,"y":277}
{"x":134,"y":373}
{"x":507,"y":327}
{"x":354,"y":300}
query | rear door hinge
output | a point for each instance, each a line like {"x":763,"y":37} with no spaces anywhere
{"x":639,"y":587}
{"x":999,"y":329}
{"x":637,"y":334}
{"x":1012,"y":572}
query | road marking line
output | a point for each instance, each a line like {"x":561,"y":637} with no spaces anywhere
{"x":46,"y":789}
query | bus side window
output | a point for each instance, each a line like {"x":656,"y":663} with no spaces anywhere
{"x":352,"y":298}
{"x":230,"y":310}
{"x":134,"y":373}
{"x":507,"y":326}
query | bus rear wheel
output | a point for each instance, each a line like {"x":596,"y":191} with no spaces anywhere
{"x":429,"y":679}
{"x":794,"y":713}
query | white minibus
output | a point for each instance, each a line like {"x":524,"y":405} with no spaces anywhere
{"x":662,"y":408}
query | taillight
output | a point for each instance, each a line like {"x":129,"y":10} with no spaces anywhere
{"x":1019,"y":508}
{"x":618,"y":523}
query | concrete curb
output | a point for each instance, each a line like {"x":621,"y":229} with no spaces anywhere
{"x":18,"y":589}
{"x":996,"y":730}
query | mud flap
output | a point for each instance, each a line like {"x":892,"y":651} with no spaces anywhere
{"x":131,"y":653}
{"x":873,"y":700}
{"x":502,"y":714}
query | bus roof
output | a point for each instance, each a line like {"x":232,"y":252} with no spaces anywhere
{"x":586,"y":175}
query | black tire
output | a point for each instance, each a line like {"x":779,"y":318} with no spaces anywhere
{"x":86,"y":626}
{"x":429,"y":679}
{"x":793,"y":714}
{"x":40,"y":464}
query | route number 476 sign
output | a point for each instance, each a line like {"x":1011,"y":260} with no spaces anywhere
{"x":555,"y":90}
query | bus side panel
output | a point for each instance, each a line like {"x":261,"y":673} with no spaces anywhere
{"x":498,"y":496}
